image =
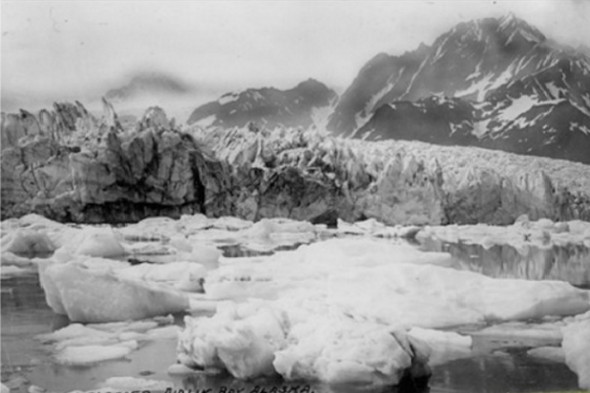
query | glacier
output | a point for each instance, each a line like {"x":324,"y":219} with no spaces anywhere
{"x":81,"y":168}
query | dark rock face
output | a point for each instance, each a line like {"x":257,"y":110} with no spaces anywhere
{"x":493,"y":83}
{"x":267,"y":107}
{"x":85,"y":170}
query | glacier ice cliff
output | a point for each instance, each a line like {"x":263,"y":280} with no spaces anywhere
{"x":70,"y":165}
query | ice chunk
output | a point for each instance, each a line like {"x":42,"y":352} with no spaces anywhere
{"x":27,"y":242}
{"x":392,"y":283}
{"x":10,"y":271}
{"x":268,"y":234}
{"x":73,"y":331}
{"x":88,"y":354}
{"x":180,"y":369}
{"x":253,"y":339}
{"x":554,"y":354}
{"x":343,"y":351}
{"x":124,"y":384}
{"x":523,"y":334}
{"x":443,"y":346}
{"x":242,"y":340}
{"x":183,"y":275}
{"x":231,"y":223}
{"x":89,"y":296}
{"x":8,"y":258}
{"x":101,"y":243}
{"x":206,"y":255}
{"x":576,"y":345}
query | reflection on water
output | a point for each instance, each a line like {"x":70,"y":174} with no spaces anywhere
{"x":504,"y":372}
{"x":569,"y":263}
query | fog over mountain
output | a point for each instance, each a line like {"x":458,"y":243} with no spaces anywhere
{"x":69,"y":50}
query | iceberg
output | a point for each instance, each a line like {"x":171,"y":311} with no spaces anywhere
{"x":576,"y":346}
{"x":89,"y":354}
{"x":361,"y":310}
{"x":100,"y":243}
{"x":27,"y":242}
{"x":442,"y":346}
{"x":85,"y":295}
{"x":241,"y":340}
{"x":553,"y":354}
{"x":256,"y":339}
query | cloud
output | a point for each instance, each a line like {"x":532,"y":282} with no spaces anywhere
{"x":74,"y":49}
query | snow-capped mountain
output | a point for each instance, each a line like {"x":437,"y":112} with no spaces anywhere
{"x":305,"y":105}
{"x":495,"y":83}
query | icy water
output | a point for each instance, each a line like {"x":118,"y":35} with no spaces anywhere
{"x":569,"y":263}
{"x":25,"y":361}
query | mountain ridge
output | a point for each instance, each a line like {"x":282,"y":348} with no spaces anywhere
{"x":266,"y":107}
{"x":503,"y":67}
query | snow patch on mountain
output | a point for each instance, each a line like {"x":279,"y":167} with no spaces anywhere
{"x":516,"y":108}
{"x":227,"y":98}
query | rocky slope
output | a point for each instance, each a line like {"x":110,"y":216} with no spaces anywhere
{"x":267,"y":107}
{"x":493,"y":83}
{"x":69,"y":165}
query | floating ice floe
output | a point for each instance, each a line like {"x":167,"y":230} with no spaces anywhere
{"x":86,"y":295}
{"x":27,"y":242}
{"x":255,"y":340}
{"x":442,"y":346}
{"x":8,"y":258}
{"x":78,"y":345}
{"x":124,"y":384}
{"x":269,"y":234}
{"x":333,"y":308}
{"x":130,"y":384}
{"x":186,"y":276}
{"x":543,"y":233}
{"x":11,"y":271}
{"x":90,"y":354}
{"x":101,"y":242}
{"x":576,"y":346}
{"x":553,"y":354}
{"x":372,"y":227}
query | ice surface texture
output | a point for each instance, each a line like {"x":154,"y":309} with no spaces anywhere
{"x":93,"y":170}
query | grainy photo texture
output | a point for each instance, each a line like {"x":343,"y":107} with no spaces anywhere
{"x":295,"y":196}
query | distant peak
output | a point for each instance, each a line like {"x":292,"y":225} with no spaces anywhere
{"x":508,"y":18}
{"x":311,"y":83}
{"x":510,"y":24}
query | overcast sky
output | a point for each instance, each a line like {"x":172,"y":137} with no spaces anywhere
{"x":66,"y":49}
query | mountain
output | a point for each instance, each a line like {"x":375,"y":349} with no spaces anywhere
{"x":150,"y":83}
{"x":496,"y":83}
{"x":301,"y":106}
